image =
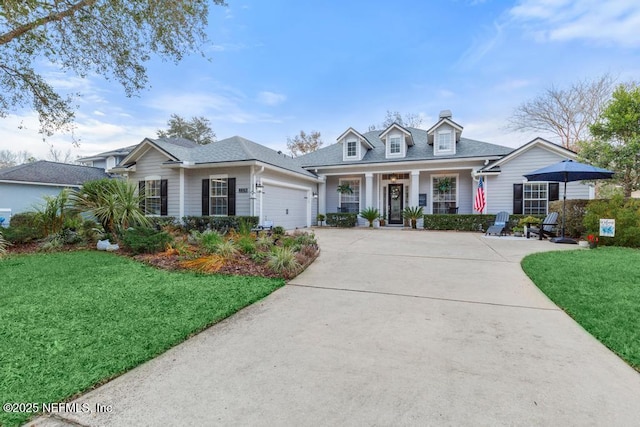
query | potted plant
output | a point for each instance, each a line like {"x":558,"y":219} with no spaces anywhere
{"x":593,"y":241}
{"x":345,"y":189}
{"x":412,"y":213}
{"x":518,"y":231}
{"x":370,"y":214}
{"x":382,"y":220}
{"x":320,"y":218}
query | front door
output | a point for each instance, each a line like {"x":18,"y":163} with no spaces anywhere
{"x":395,"y":203}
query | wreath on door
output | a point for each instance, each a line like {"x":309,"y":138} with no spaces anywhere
{"x":395,"y":193}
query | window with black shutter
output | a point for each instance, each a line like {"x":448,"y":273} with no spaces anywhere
{"x":518,"y":190}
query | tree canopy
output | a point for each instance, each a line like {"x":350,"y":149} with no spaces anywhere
{"x":565,"y":112}
{"x":407,"y":120}
{"x":616,"y":138}
{"x":110,"y":38}
{"x":198,"y":129}
{"x":304,"y":143}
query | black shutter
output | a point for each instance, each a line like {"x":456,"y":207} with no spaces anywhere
{"x":205,"y":197}
{"x":231,"y":196}
{"x":141,"y":204}
{"x":163,"y":197}
{"x":554,"y":191}
{"x":518,"y":190}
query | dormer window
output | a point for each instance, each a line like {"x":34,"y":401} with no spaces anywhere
{"x":445,"y":142}
{"x":352,"y":149}
{"x":394,"y":145}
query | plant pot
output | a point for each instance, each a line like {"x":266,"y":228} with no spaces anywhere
{"x":517,"y":234}
{"x":583,"y":244}
{"x":593,"y":245}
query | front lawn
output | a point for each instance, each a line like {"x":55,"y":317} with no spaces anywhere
{"x":71,"y":320}
{"x":599,"y":288}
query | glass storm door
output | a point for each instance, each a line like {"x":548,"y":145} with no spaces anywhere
{"x":395,"y":203}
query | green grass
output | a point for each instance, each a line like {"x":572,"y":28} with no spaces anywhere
{"x":71,"y":320}
{"x":599,"y":288}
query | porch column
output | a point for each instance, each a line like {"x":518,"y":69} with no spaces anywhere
{"x":368,"y":199}
{"x":181,"y":211}
{"x":415,"y":190}
{"x":322,"y":195}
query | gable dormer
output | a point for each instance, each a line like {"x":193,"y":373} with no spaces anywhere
{"x":444,"y":135}
{"x":396,"y":140}
{"x":354,"y":145}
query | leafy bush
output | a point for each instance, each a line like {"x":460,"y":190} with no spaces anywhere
{"x":218,"y":223}
{"x":246,"y":244}
{"x":278,"y":230}
{"x":370,"y":214}
{"x":145,"y":240}
{"x":51,"y":243}
{"x":259,"y":257}
{"x":22,"y":234}
{"x":626,"y":212}
{"x":412,"y":213}
{"x":264,"y":241}
{"x":209,"y":240}
{"x":283,"y":261}
{"x":90,"y":231}
{"x":529,"y":220}
{"x":574,"y":222}
{"x":342,"y":219}
{"x":304,"y":239}
{"x":51,"y":216}
{"x":160,"y":222}
{"x":24,"y":219}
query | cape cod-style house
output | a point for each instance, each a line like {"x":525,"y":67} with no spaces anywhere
{"x":389,"y":170}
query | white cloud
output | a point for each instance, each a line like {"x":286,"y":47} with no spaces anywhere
{"x":611,"y":22}
{"x":271,"y":98}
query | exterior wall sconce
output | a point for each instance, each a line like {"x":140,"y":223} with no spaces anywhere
{"x":259,"y":186}
{"x":315,"y":195}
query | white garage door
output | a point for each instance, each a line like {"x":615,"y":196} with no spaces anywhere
{"x":286,"y":207}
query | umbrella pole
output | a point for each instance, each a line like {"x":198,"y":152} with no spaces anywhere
{"x":563,"y":239}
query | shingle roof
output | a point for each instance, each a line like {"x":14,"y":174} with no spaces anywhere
{"x":52,"y":173}
{"x":234,"y":149}
{"x":421,"y":150}
{"x":117,"y":152}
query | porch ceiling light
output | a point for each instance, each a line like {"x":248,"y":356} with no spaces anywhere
{"x":394,"y":177}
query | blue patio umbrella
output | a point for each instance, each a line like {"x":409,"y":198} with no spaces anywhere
{"x":567,"y":171}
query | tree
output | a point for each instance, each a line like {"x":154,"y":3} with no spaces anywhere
{"x":198,"y":129}
{"x":567,"y":113}
{"x":304,"y":143}
{"x":56,"y":155}
{"x":616,"y":138}
{"x":13,"y":158}
{"x":111,"y":38}
{"x":408,"y":120}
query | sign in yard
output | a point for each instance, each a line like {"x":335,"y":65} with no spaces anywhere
{"x":607,"y":227}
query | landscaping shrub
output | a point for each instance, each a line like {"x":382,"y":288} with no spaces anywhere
{"x":145,"y":240}
{"x":22,"y":234}
{"x":626,"y":212}
{"x":278,"y":231}
{"x":283,"y":261}
{"x":574,"y":222}
{"x":3,"y":244}
{"x":226,"y":249}
{"x":342,"y":219}
{"x":207,"y":264}
{"x":51,"y":243}
{"x":264,"y":241}
{"x":209,"y":240}
{"x":218,"y":223}
{"x":462,"y":222}
{"x":160,"y":222}
{"x":304,"y":239}
{"x":246,"y":244}
{"x":24,"y":219}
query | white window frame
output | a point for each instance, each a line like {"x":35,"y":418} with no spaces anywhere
{"x":452,"y":144}
{"x":433,"y":188}
{"x":525,"y":199}
{"x":357,"y":195}
{"x":147,"y":187}
{"x":346,"y":149}
{"x":392,"y":141}
{"x":402,"y":145}
{"x":225,"y":196}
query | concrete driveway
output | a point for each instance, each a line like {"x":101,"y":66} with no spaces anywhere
{"x":387,"y":327}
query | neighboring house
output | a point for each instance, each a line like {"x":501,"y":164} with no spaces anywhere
{"x":107,"y":160}
{"x":388,"y":170}
{"x":435,"y":168}
{"x":22,"y":187}
{"x":233,"y":176}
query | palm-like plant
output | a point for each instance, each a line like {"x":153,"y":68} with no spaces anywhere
{"x":113,"y":202}
{"x":370,"y":214}
{"x":3,"y":245}
{"x":412,"y":213}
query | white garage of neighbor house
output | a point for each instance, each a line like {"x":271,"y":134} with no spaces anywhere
{"x":233,"y":176}
{"x":23,"y":187}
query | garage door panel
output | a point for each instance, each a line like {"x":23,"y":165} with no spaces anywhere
{"x":286,"y":207}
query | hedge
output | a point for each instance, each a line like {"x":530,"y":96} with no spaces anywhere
{"x":626,"y":212}
{"x":576,"y":209}
{"x":218,"y":223}
{"x":342,"y":219}
{"x":461,"y":222}
{"x":159,"y":222}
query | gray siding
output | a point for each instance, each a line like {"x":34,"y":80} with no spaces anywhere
{"x":499,"y":189}
{"x":151,"y":165}
{"x":193,"y":188}
{"x":24,"y":197}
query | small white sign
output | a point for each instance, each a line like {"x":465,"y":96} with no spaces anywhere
{"x":607,"y":227}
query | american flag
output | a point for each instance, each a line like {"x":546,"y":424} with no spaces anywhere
{"x":479,"y":202}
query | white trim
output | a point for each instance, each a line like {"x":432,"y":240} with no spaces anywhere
{"x":182,"y":195}
{"x":403,"y":147}
{"x":358,"y":135}
{"x":153,"y":178}
{"x":436,"y":142}
{"x":345,"y":153}
{"x":443,"y":121}
{"x":284,"y":184}
{"x":346,"y":178}
{"x":389,"y":171}
{"x":408,"y":163}
{"x":219,"y":176}
{"x":45,"y":184}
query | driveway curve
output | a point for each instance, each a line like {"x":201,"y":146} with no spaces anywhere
{"x":387,"y":327}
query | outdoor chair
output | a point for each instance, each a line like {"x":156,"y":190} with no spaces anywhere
{"x":500,"y":225}
{"x":452,"y":210}
{"x":546,"y":228}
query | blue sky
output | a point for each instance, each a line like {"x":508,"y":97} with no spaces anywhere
{"x":278,"y":66}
